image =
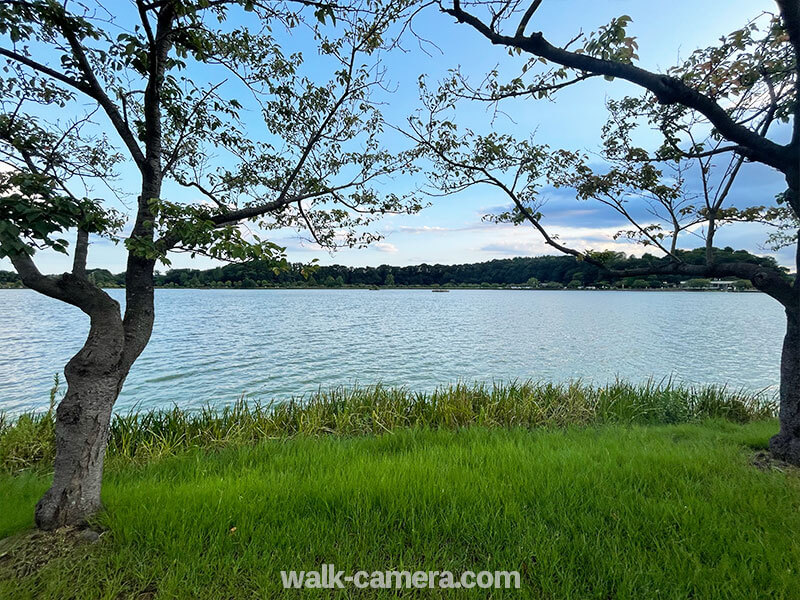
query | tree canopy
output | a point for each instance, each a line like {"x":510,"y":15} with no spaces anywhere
{"x":527,"y":271}
{"x":251,"y":138}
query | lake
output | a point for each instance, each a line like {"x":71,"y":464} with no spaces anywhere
{"x":211,"y":346}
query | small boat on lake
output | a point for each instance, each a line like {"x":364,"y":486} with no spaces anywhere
{"x":439,"y":290}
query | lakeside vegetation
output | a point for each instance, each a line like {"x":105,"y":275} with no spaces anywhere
{"x":622,"y":490}
{"x":28,"y":440}
{"x":599,"y":512}
{"x":545,"y":272}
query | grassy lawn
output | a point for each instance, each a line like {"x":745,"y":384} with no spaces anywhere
{"x":613,"y":511}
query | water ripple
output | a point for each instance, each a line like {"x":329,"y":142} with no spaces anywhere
{"x":210,"y":346}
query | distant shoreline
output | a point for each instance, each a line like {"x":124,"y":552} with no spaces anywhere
{"x":542,"y":272}
{"x":424,"y":288}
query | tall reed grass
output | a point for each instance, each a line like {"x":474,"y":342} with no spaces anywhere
{"x":28,"y":441}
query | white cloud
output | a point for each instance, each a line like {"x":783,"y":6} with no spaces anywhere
{"x":525,"y":241}
{"x":384,"y":247}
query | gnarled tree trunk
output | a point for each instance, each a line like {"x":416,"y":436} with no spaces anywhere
{"x":94,"y":378}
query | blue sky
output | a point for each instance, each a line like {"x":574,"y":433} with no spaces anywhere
{"x":451,"y":230}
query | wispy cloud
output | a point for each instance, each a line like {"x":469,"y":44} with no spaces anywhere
{"x":524,"y":241}
{"x":385,"y":247}
{"x":422,"y":229}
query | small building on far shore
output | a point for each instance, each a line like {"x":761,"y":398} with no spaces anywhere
{"x":721,"y":284}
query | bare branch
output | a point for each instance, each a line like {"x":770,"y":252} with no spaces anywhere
{"x":309,"y":225}
{"x":251,"y":212}
{"x":32,"y":277}
{"x":523,"y":23}
{"x":145,"y":22}
{"x":74,"y":290}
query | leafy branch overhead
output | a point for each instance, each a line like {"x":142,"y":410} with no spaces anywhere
{"x":758,"y":57}
{"x":714,"y":112}
{"x":252,"y":137}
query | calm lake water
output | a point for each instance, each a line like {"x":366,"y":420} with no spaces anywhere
{"x":211,"y":346}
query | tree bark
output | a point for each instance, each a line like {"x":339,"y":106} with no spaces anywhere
{"x":94,"y":377}
{"x":786,"y":444}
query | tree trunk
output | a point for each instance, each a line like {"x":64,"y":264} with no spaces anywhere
{"x":786,"y":445}
{"x":94,"y":377}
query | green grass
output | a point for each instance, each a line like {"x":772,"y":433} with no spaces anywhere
{"x":27,"y":441}
{"x":613,"y":511}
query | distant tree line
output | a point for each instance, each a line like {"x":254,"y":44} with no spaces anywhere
{"x":540,"y":271}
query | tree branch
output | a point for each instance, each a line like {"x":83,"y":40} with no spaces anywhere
{"x":140,"y":5}
{"x":97,"y":92}
{"x":45,"y":70}
{"x":257,"y":210}
{"x":770,"y":281}
{"x":523,"y":22}
{"x":77,"y":291}
{"x":91,"y":87}
{"x":668,"y":90}
{"x":139,"y":308}
{"x":175,"y":154}
{"x":32,"y":278}
{"x":767,"y":280}
{"x":81,"y":253}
